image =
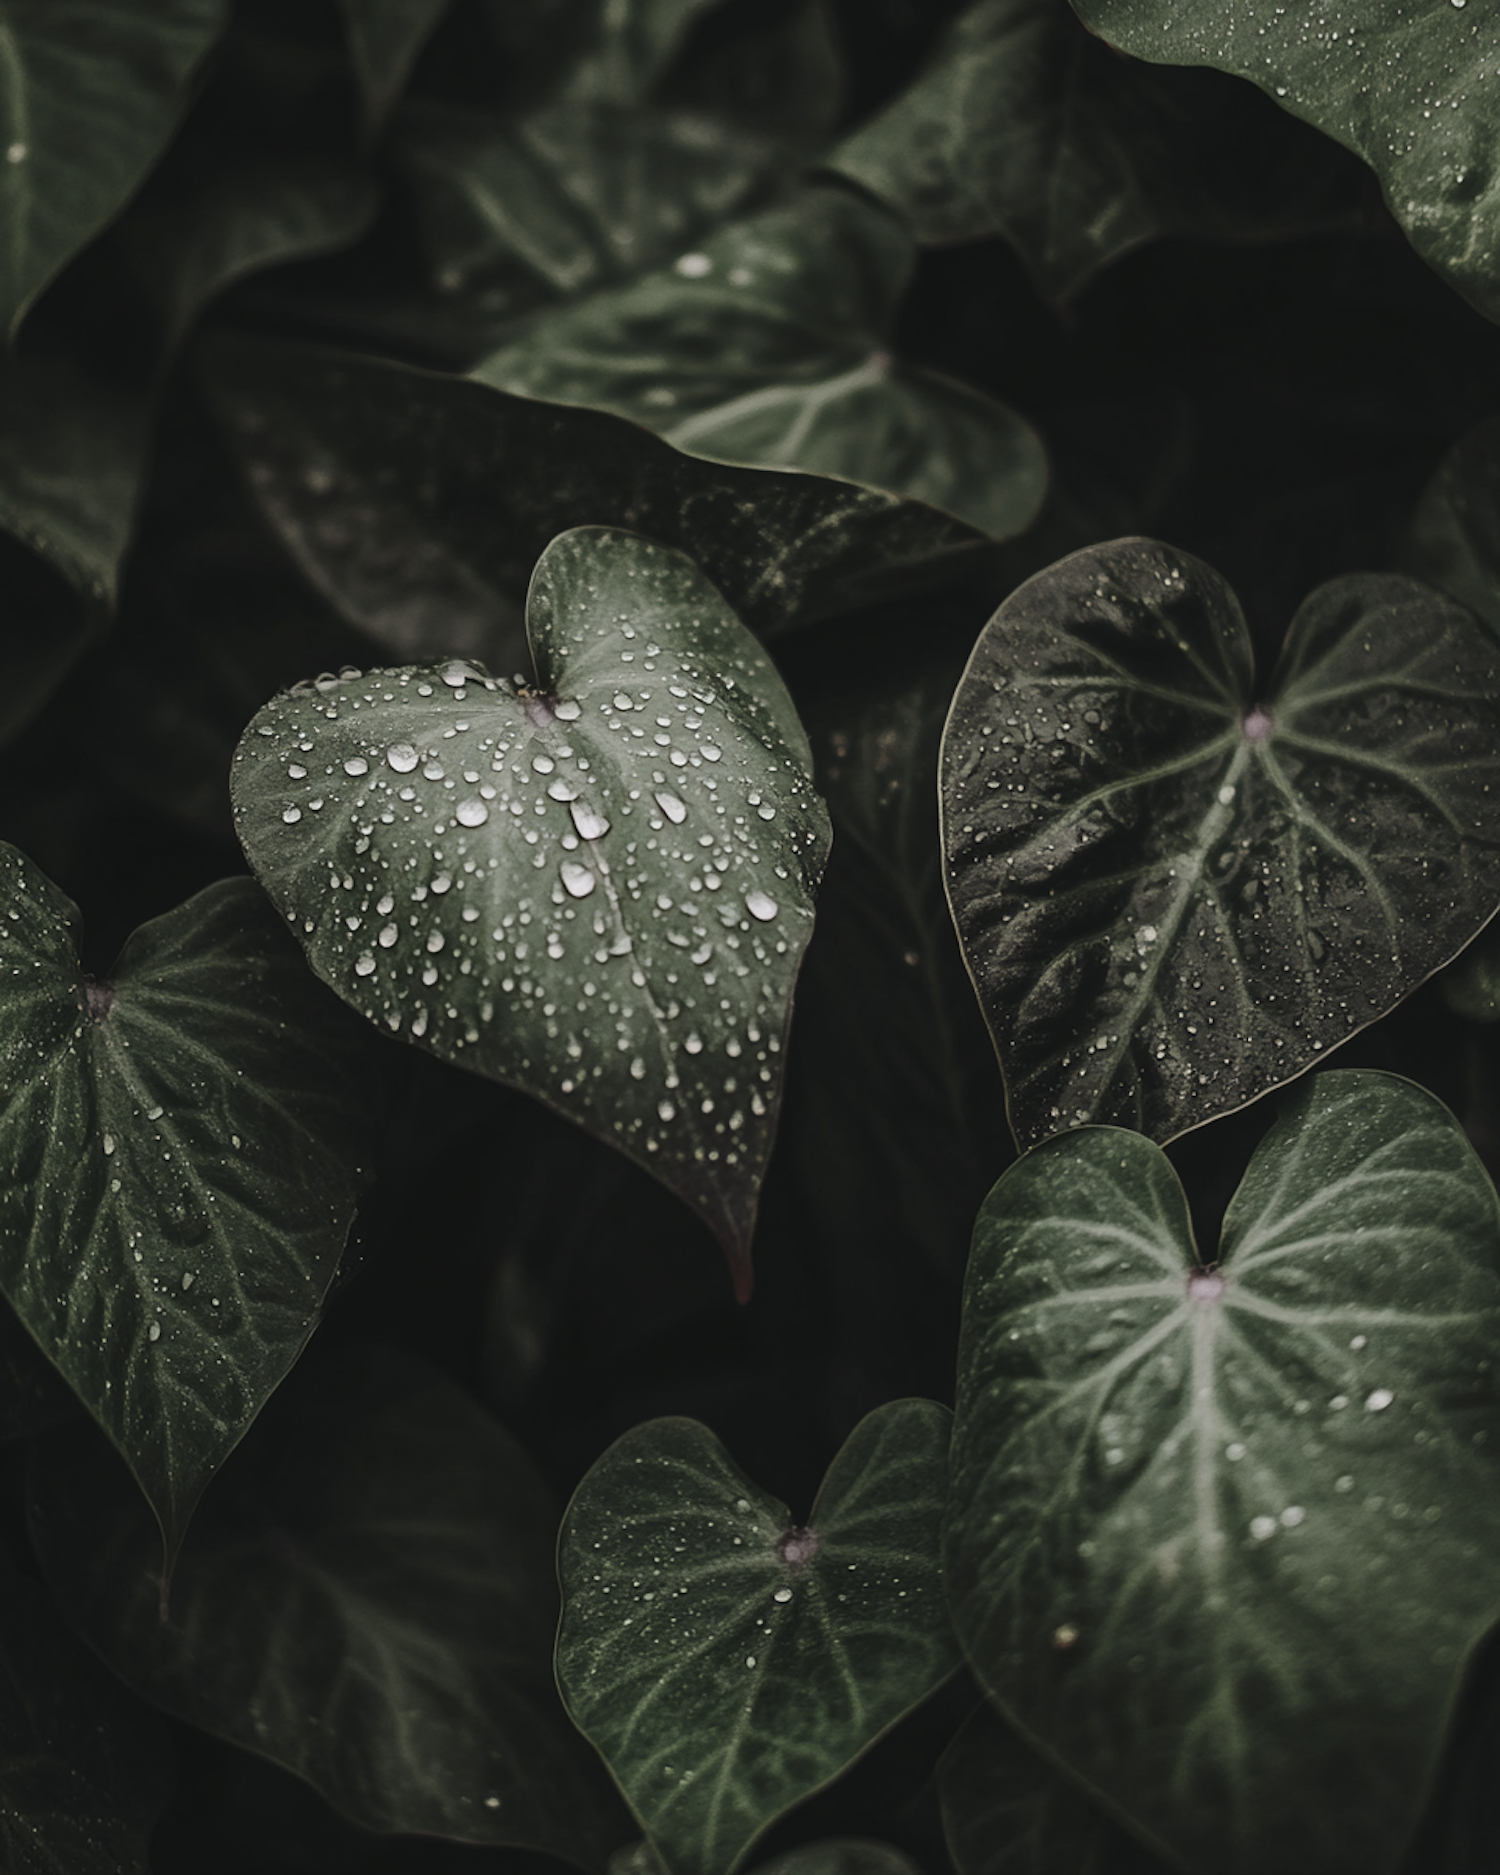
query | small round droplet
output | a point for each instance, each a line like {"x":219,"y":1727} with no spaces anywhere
{"x":364,"y":965}
{"x":577,"y":880}
{"x":665,"y":1110}
{"x":153,"y":1333}
{"x":402,"y":757}
{"x":693,"y":266}
{"x":291,"y":815}
{"x":782,"y":1595}
{"x":456,"y":676}
{"x":471,"y":813}
{"x":761,"y":905}
{"x":567,"y":711}
{"x":1262,"y":1528}
{"x":356,"y":765}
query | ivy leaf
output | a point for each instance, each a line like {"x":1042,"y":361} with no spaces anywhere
{"x":180,"y":1152}
{"x":385,"y":37}
{"x":770,"y":346}
{"x":419,"y":504}
{"x":1008,"y":1811}
{"x":727,"y":1662}
{"x":1454,"y":542}
{"x":1222,"y":1537}
{"x":84,"y":1771}
{"x":367,"y":1599}
{"x":598,"y":890}
{"x":1410,"y":88}
{"x":1024,"y":125}
{"x":1175,"y":892}
{"x":571,"y":197}
{"x":93,"y":92}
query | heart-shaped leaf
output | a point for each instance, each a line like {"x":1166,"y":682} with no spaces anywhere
{"x":1026,"y":126}
{"x":598,"y":890}
{"x":727,"y":1662}
{"x":1409,"y":85}
{"x":1175,"y":892}
{"x":1008,"y":1811}
{"x":367,"y":1599}
{"x":419,"y":504}
{"x":93,"y":91}
{"x":1455,"y":533}
{"x":1222,"y":1536}
{"x":84,"y":1770}
{"x":771,"y":346}
{"x":180,"y":1152}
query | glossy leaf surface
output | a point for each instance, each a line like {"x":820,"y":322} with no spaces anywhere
{"x":598,"y":892}
{"x":1409,"y":85}
{"x":727,"y":1662}
{"x":180,"y":1152}
{"x":1454,"y":541}
{"x":385,"y":483}
{"x":1008,"y":1811}
{"x":1222,"y":1537}
{"x":84,"y":1771}
{"x":770,"y":346}
{"x":1174,"y":889}
{"x":1025,"y":126}
{"x":366,"y":1599}
{"x":93,"y":90}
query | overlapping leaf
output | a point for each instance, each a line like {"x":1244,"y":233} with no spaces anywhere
{"x":419,"y":504}
{"x":1454,"y":541}
{"x":180,"y":1152}
{"x":84,"y":1771}
{"x":771,"y":346}
{"x":1222,"y":1536}
{"x":727,"y":1662}
{"x":598,"y":890}
{"x":385,"y":37}
{"x":1175,"y":890}
{"x":367,"y":1599}
{"x":1025,"y":126}
{"x":1409,"y":85}
{"x":93,"y":90}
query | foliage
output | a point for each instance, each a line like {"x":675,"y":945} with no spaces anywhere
{"x":640,"y":639}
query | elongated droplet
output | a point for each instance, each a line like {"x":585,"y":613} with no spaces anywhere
{"x":672,"y":807}
{"x":577,"y":880}
{"x":760,"y":905}
{"x":590,"y":825}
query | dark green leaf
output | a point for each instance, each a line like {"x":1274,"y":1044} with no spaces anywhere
{"x":633,"y":44}
{"x":84,"y":1772}
{"x":180,"y":1150}
{"x":598,"y":891}
{"x":1025,"y":126}
{"x":845,"y":1855}
{"x":93,"y":90}
{"x":366,"y":1598}
{"x":1409,"y":85}
{"x":1222,"y":1538}
{"x":571,"y":197}
{"x":770,"y":346}
{"x":419,"y":504}
{"x":1174,"y":891}
{"x":1008,"y":1811}
{"x":1455,"y":534}
{"x":785,"y":75}
{"x":727,"y":1662}
{"x":385,"y":37}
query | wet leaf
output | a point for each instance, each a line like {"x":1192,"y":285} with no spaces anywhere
{"x":598,"y":891}
{"x":571,"y":197}
{"x":93,"y":92}
{"x":1409,"y":85}
{"x":84,"y":1771}
{"x":758,"y":1658}
{"x":1007,"y":1810}
{"x":1221,"y":1537}
{"x":419,"y":504}
{"x":770,"y":346}
{"x":367,"y":1598}
{"x":1455,"y":534}
{"x":1175,"y":890}
{"x":1024,"y":125}
{"x":385,"y":37}
{"x":180,"y":1152}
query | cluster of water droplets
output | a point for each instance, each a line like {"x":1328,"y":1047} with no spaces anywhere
{"x":586,"y":894}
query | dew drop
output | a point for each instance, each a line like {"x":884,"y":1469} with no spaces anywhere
{"x":471,"y":813}
{"x":666,"y":1110}
{"x":1379,"y":1400}
{"x":1262,"y":1528}
{"x":760,"y":905}
{"x":364,"y":966}
{"x":590,"y":825}
{"x":782,"y":1595}
{"x":674,"y":809}
{"x":153,"y":1333}
{"x":577,"y":880}
{"x":291,"y":815}
{"x":402,"y":757}
{"x":356,"y":765}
